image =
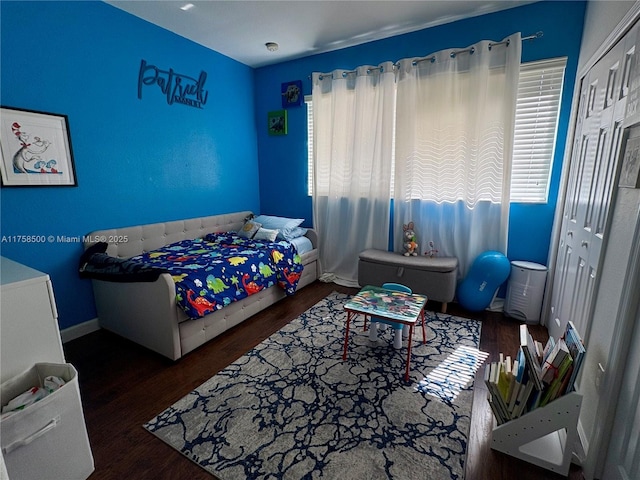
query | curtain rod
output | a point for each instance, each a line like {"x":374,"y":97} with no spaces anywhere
{"x":453,"y":54}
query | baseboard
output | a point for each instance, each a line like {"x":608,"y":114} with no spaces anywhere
{"x":77,"y":331}
{"x":582,"y":448}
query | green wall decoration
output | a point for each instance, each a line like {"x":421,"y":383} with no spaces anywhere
{"x":277,"y":122}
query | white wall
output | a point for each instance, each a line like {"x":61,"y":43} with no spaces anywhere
{"x":606,"y":321}
{"x":601,"y":18}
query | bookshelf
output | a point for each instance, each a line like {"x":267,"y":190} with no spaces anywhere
{"x":545,"y":436}
{"x":534,"y":402}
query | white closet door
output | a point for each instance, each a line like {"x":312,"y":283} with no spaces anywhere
{"x":592,"y":178}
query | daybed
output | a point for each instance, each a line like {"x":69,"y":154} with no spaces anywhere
{"x":146,"y":312}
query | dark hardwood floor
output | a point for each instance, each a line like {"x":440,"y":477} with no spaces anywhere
{"x":123,"y":385}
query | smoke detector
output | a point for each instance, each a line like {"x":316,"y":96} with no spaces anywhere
{"x":271,"y":46}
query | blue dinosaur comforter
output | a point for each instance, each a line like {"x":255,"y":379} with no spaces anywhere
{"x":222,"y":268}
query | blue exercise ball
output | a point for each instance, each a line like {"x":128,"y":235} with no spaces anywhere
{"x":488,"y":271}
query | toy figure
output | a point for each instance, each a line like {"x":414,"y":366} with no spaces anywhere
{"x":432,"y":250}
{"x":410,"y":243}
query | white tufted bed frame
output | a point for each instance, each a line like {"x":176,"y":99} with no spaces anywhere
{"x":146,"y":312}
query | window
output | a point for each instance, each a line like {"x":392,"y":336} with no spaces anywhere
{"x":537,"y":110}
{"x":309,"y":103}
{"x":536,"y":125}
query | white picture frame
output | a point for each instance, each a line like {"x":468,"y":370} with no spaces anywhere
{"x":36,"y":149}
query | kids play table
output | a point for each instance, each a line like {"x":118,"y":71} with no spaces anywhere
{"x":391,"y":305}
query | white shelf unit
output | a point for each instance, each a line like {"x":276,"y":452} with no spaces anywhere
{"x":28,"y":320}
{"x":545,"y":436}
{"x":49,"y":438}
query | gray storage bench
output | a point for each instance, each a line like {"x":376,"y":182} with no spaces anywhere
{"x":435,"y":277}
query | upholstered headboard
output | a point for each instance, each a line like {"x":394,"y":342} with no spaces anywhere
{"x":129,"y":241}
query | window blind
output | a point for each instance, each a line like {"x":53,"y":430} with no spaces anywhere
{"x":537,"y":110}
{"x":309,"y":103}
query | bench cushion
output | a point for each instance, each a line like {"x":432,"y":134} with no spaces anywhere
{"x":430,"y":264}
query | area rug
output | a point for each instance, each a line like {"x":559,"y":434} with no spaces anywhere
{"x":291,"y":408}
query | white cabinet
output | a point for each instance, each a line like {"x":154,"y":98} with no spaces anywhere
{"x":48,"y":437}
{"x":29,"y":330}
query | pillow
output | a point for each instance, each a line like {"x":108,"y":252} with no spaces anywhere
{"x":286,"y":226}
{"x":266,"y":234}
{"x":249,"y":229}
{"x":296,"y":233}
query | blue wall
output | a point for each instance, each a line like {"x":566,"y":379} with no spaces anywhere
{"x":142,"y":160}
{"x":137,"y":160}
{"x":530,"y":226}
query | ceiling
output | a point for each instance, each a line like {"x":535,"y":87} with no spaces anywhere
{"x":240,"y":28}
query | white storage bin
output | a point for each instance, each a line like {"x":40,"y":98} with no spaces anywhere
{"x":525,"y":291}
{"x":47,"y":439}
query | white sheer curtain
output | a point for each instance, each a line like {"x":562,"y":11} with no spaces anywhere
{"x":454,"y":139}
{"x":353,"y":114}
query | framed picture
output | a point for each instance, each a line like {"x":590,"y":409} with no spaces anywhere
{"x":630,"y":172}
{"x":277,"y":122}
{"x":291,"y":94}
{"x":36,"y":149}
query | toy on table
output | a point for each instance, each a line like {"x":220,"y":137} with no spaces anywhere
{"x":410,"y":242}
{"x":398,"y":328}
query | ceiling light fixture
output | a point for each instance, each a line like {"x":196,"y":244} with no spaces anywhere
{"x":271,"y":46}
{"x":187,"y":6}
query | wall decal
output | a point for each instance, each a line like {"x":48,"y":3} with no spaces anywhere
{"x":277,"y":122}
{"x":36,"y":149}
{"x":176,"y":87}
{"x":291,"y":94}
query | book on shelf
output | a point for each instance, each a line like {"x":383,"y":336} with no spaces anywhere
{"x":492,"y":375}
{"x":523,"y":398}
{"x":528,"y":347}
{"x":518,"y":380}
{"x":523,"y":380}
{"x":534,"y":400}
{"x":554,"y":389}
{"x":548,"y":347}
{"x":574,"y":343}
{"x":556,"y":357}
{"x":512,"y":391}
{"x":498,"y":413}
{"x":539,"y":348}
{"x":538,"y":374}
{"x":504,"y":373}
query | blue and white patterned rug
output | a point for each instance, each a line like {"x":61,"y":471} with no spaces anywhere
{"x":292,"y":409}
